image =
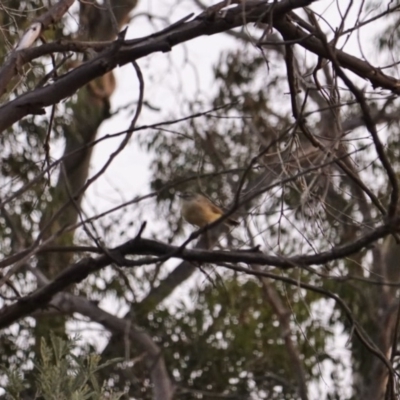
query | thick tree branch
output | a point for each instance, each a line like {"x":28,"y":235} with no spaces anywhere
{"x":138,"y":246}
{"x":207,"y":23}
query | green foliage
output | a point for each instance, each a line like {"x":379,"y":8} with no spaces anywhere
{"x":228,"y":340}
{"x":61,"y":375}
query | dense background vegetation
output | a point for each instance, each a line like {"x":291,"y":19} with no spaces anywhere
{"x":297,"y":136}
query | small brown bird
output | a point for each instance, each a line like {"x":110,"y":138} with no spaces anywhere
{"x":199,"y":211}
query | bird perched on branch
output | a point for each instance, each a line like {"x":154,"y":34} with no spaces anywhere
{"x":200,"y":211}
